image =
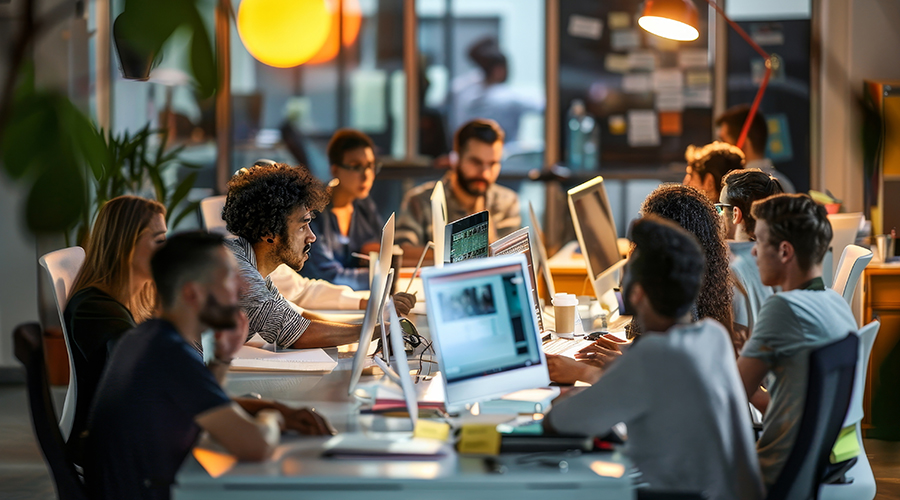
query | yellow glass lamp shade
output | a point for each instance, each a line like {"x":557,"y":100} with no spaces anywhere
{"x":283,"y":33}
{"x":352,"y":23}
{"x":672,"y":19}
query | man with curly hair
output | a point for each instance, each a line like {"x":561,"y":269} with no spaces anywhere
{"x":792,"y":236}
{"x":707,"y":166}
{"x":269,"y":208}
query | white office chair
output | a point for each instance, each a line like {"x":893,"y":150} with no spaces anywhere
{"x":211,"y":212}
{"x":850,"y":267}
{"x":62,"y":267}
{"x":862,"y":486}
{"x":844,"y":229}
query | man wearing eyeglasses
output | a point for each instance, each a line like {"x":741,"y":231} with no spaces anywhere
{"x":351,"y":219}
{"x":470,"y":187}
{"x":740,"y":188}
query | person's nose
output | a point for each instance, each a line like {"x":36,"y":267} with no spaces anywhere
{"x":312,"y":236}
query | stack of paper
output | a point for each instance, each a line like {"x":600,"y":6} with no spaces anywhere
{"x":292,"y":360}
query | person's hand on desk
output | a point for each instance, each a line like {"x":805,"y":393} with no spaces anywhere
{"x":564,"y":370}
{"x":404,"y":302}
{"x":302,"y":420}
{"x":600,"y":354}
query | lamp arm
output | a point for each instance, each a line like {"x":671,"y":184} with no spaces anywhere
{"x":765,"y":81}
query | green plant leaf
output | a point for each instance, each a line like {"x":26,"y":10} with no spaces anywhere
{"x":184,"y":187}
{"x":203,"y":62}
{"x":56,"y":200}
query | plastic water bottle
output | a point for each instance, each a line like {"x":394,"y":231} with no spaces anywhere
{"x":591,"y":143}
{"x":576,"y":137}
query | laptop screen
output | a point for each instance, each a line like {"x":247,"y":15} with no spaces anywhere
{"x":484,"y":322}
{"x":467,"y":238}
{"x":596,"y":226}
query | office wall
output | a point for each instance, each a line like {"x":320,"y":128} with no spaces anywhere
{"x":860,"y":40}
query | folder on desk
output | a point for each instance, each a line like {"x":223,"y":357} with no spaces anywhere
{"x":290,"y":360}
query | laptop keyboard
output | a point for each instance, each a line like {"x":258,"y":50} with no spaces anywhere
{"x":565,"y":347}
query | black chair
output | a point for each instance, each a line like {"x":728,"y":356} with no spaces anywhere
{"x":30,"y":351}
{"x":831,"y":372}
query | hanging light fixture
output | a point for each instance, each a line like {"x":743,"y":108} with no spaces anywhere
{"x":283,"y":33}
{"x":350,"y":13}
{"x":678,"y":20}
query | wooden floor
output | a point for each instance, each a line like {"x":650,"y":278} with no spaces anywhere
{"x":23,"y":475}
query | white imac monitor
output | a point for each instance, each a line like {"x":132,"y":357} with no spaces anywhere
{"x":596,"y":231}
{"x":438,"y":221}
{"x":540,"y":250}
{"x":373,"y":309}
{"x":484,"y":328}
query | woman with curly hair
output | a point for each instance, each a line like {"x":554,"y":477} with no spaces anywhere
{"x":692,"y":210}
{"x":112,"y":293}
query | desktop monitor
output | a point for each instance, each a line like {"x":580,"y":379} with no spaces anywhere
{"x":482,"y":321}
{"x":540,"y":249}
{"x":596,"y":231}
{"x":466,"y":238}
{"x":438,"y":221}
{"x":519,"y":242}
{"x":376,"y":296}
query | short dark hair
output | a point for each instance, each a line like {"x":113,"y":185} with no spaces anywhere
{"x":487,"y":55}
{"x":261,"y":197}
{"x":716,"y":159}
{"x":743,"y":187}
{"x":800,"y":221}
{"x":486,"y":131}
{"x":694,"y":212}
{"x":182,"y":258}
{"x":346,"y":139}
{"x":735,"y":116}
{"x":668,"y":263}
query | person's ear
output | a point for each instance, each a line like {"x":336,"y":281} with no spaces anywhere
{"x":637,"y":296}
{"x":737,"y":216}
{"x":709,"y":183}
{"x":269,"y":238}
{"x":334,"y":171}
{"x":191,"y":293}
{"x":785,"y":252}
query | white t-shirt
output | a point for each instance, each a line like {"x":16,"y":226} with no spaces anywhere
{"x":681,"y":397}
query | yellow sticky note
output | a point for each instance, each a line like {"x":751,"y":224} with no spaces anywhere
{"x":619,"y":20}
{"x":429,"y":429}
{"x":846,"y":446}
{"x":479,"y":439}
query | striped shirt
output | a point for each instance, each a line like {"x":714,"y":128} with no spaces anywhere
{"x":270,"y":314}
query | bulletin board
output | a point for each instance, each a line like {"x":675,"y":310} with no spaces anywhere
{"x":650,"y":97}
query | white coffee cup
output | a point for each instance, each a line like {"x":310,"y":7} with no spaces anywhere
{"x":564,"y":305}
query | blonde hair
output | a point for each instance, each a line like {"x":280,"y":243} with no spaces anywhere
{"x":110,"y":249}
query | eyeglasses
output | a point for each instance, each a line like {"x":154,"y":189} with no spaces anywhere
{"x":360,"y":169}
{"x":720,"y":207}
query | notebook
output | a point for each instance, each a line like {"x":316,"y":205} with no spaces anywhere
{"x":291,"y":360}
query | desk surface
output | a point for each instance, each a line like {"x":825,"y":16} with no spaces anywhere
{"x":298,"y":467}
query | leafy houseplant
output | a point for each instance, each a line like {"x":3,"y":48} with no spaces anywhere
{"x":134,"y":165}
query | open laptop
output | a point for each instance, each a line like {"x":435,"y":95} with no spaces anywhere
{"x":540,"y":249}
{"x":484,"y":328}
{"x":376,"y":299}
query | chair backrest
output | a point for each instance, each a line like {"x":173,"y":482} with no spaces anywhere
{"x":844,"y":228}
{"x":30,"y":351}
{"x":211,"y":212}
{"x":867,"y":336}
{"x":829,"y":386}
{"x":62,"y":267}
{"x":849,"y":269}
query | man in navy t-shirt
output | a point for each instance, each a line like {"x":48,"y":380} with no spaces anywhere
{"x":156,"y":394}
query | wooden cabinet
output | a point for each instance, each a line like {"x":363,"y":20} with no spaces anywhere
{"x":881,"y":300}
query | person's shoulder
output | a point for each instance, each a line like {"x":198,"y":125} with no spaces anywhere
{"x":421,"y":190}
{"x":93,"y":301}
{"x":504,"y":192}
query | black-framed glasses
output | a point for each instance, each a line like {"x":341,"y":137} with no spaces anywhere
{"x":720,"y":207}
{"x":376,"y":167}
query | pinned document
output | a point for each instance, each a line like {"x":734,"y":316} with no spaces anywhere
{"x":643,"y":128}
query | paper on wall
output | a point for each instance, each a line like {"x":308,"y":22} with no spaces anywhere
{"x":693,"y":58}
{"x":643,"y":128}
{"x":624,"y":39}
{"x":585,"y":27}
{"x":618,"y":20}
{"x":637,"y":83}
{"x":642,"y":60}
{"x":616,"y":63}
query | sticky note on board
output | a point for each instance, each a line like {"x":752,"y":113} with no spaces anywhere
{"x":670,"y":123}
{"x":428,"y":429}
{"x":480,"y":439}
{"x":616,"y":63}
{"x":585,"y":27}
{"x":618,"y":20}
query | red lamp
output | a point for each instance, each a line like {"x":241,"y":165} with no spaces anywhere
{"x":678,"y":20}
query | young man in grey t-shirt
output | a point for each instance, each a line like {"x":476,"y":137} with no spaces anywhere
{"x":792,"y":236}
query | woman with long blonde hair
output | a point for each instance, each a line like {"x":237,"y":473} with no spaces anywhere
{"x":112,"y":293}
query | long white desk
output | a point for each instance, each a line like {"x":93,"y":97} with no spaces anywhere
{"x":298,"y":471}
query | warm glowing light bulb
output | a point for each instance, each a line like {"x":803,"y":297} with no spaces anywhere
{"x":669,"y":28}
{"x":283,"y":33}
{"x":352,"y":22}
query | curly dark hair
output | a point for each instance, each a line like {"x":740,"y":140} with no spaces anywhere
{"x":800,"y":221}
{"x":261,"y":197}
{"x":692,"y":210}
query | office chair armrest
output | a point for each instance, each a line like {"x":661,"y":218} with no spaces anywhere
{"x":834,"y":473}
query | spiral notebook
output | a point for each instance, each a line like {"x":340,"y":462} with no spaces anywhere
{"x":290,"y":360}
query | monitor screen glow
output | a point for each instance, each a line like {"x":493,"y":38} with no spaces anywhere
{"x":595,"y":226}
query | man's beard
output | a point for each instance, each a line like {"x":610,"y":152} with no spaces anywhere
{"x":218,"y":316}
{"x":285,"y":253}
{"x":467,"y":185}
